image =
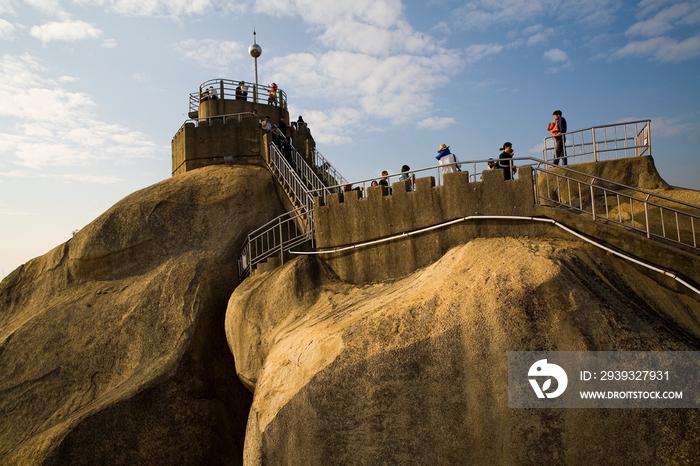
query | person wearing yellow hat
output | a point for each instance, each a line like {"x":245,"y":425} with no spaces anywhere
{"x":447,"y":160}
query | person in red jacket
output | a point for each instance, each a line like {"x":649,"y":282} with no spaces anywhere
{"x":557,"y":128}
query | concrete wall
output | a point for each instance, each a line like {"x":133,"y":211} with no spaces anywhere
{"x":304,"y":143}
{"x":346,"y":219}
{"x":215,"y":141}
{"x":208,"y":143}
{"x":210,"y":108}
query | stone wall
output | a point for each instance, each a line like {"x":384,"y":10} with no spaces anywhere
{"x":211,"y":108}
{"x":196,"y":146}
{"x":347,"y":219}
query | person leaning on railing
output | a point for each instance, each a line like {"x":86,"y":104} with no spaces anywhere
{"x":557,"y":128}
{"x":242,"y":91}
{"x":272,"y":95}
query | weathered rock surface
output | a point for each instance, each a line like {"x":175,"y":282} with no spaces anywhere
{"x":415,"y":371}
{"x":112,"y":348}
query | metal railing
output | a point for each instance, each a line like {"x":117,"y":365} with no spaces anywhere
{"x":331,"y":176}
{"x":307,"y":174}
{"x":292,"y":228}
{"x":274,"y":238}
{"x":226,"y":89}
{"x":477,"y":166}
{"x":620,"y":140}
{"x":652,"y":214}
{"x":290,"y":179}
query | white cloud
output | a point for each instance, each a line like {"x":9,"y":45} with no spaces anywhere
{"x":479,"y":14}
{"x":381,"y":13}
{"x":374,"y":60}
{"x":54,"y":127}
{"x":662,"y":49}
{"x":332,"y":127}
{"x":538,"y":34}
{"x":7,"y":30}
{"x":109,"y":43}
{"x":442,"y":27}
{"x":476,"y":52}
{"x":482,"y":14}
{"x":70,"y":31}
{"x":140,"y":77}
{"x":436,"y":123}
{"x":211,"y":53}
{"x":48,"y":7}
{"x":396,"y":88}
{"x":83,"y":177}
{"x":673,"y":126}
{"x":68,"y":79}
{"x":168,"y":8}
{"x":666,"y":20}
{"x":7,"y":7}
{"x":556,"y":55}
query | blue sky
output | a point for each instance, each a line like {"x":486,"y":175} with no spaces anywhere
{"x":92,"y":91}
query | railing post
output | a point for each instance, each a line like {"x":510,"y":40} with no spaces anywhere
{"x":595,"y":146}
{"x":646,"y":217}
{"x":281,"y":245}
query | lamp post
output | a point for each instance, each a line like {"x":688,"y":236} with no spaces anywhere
{"x":255,"y":51}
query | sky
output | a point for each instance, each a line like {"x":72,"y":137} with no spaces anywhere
{"x":92,"y":91}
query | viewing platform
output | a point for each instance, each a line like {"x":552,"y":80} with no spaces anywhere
{"x":226,"y":100}
{"x":224,"y":124}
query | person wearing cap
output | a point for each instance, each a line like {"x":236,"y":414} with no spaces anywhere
{"x":504,"y":160}
{"x":447,"y":160}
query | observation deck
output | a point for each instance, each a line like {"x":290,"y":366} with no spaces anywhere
{"x":223,"y":125}
{"x":226,"y":100}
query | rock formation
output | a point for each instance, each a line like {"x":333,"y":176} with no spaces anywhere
{"x":116,"y":347}
{"x":414,"y":371}
{"x":112,"y":348}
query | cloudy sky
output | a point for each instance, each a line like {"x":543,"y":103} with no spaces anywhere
{"x":92,"y":91}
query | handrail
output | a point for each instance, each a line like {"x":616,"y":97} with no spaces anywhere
{"x":614,"y":141}
{"x":275,"y":237}
{"x":226,"y":89}
{"x":290,"y":179}
{"x":474,"y":175}
{"x":282,"y":233}
{"x":637,"y":212}
{"x":331,"y":175}
{"x":673,"y":223}
{"x":518,"y":218}
{"x":305,"y":172}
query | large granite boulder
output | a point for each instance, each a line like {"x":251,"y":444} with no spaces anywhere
{"x":112,"y":349}
{"x":414,"y":371}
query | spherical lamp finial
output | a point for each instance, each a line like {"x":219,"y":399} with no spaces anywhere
{"x":255,"y":50}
